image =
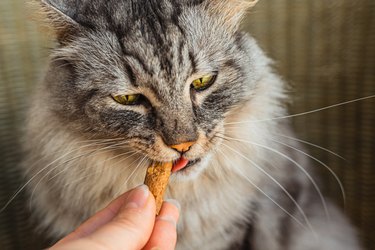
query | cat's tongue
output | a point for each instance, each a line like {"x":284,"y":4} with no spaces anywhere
{"x":179,"y":164}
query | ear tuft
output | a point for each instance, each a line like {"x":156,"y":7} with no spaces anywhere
{"x":230,"y":11}
{"x":55,"y":14}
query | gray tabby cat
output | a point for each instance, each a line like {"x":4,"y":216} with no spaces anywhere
{"x":135,"y":81}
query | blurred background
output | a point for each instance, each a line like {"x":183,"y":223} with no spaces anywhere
{"x":324,"y":49}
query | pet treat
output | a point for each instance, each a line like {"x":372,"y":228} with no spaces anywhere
{"x":157,"y":177}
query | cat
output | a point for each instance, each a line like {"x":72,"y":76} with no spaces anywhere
{"x":136,"y":81}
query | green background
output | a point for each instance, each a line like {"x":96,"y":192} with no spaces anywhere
{"x":324,"y":49}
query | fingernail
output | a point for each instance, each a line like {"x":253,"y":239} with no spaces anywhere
{"x":137,"y":197}
{"x":175,"y":203}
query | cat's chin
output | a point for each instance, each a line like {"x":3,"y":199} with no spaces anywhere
{"x":192,"y":170}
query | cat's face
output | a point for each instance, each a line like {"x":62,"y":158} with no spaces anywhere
{"x":156,"y":76}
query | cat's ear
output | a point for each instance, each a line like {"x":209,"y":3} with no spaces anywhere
{"x":59,"y":15}
{"x":230,"y":12}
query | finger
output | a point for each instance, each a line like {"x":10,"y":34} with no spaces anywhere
{"x":132,"y":226}
{"x":125,"y":225}
{"x":164,"y":235}
{"x":98,"y":220}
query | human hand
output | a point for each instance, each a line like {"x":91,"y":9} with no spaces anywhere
{"x":128,"y":223}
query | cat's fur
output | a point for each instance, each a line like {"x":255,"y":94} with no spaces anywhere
{"x":236,"y":196}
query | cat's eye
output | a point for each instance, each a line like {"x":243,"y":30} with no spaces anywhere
{"x":203,"y":82}
{"x":127,"y":99}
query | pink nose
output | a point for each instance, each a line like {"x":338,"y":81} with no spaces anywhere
{"x":183,"y":147}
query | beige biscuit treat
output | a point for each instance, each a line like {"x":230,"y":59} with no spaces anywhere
{"x":156,"y":179}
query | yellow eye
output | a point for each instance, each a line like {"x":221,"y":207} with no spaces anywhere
{"x":203,"y":82}
{"x":127,"y":99}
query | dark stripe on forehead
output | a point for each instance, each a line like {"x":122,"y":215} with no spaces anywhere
{"x":155,"y":20}
{"x":156,"y":90}
{"x":181,"y":46}
{"x":175,"y":15}
{"x":131,"y":75}
{"x":165,"y":55}
{"x":137,"y":58}
{"x":193,"y":62}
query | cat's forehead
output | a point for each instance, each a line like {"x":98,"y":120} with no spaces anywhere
{"x":153,"y":41}
{"x":125,"y":15}
{"x":159,"y":45}
{"x":158,"y":57}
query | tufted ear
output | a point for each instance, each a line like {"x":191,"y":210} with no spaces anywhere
{"x":230,"y":11}
{"x":58,"y":15}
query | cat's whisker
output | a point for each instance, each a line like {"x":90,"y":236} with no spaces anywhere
{"x":303,"y":113}
{"x":99,"y":163}
{"x":101,"y":170}
{"x":133,"y":152}
{"x":109,"y":140}
{"x":322,"y":163}
{"x":221,"y":136}
{"x":50,"y":171}
{"x":91,"y":152}
{"x":276,"y":182}
{"x":20,"y":189}
{"x":92,"y":143}
{"x":264,"y":193}
{"x":201,"y":146}
{"x":313,"y":145}
{"x":110,"y":147}
{"x":132,"y":173}
{"x":316,"y":187}
{"x":77,"y":144}
{"x":298,"y":140}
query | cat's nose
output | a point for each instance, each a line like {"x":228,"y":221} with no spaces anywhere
{"x":183,"y":147}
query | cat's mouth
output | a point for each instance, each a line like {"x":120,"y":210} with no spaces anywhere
{"x":183,"y":163}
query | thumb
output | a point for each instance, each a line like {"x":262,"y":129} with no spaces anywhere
{"x":132,"y":226}
{"x":126,"y":223}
